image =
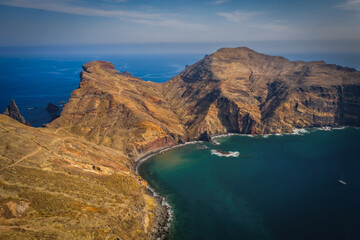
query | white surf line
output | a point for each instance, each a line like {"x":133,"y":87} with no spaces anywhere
{"x":142,"y":158}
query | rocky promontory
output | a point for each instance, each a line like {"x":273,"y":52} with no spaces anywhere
{"x":234,"y":90}
{"x":75,"y":178}
{"x":241,"y":91}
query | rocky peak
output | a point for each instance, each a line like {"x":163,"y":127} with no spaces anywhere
{"x":98,"y":66}
{"x":13,"y":111}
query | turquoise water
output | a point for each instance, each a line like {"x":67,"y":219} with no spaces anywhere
{"x":279,"y":187}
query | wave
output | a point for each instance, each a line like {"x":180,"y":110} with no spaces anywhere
{"x":328,"y":128}
{"x":225,"y":154}
{"x":167,"y":206}
{"x":215,"y":142}
{"x":299,"y":131}
{"x":231,"y":134}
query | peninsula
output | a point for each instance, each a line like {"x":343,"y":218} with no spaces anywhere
{"x":75,"y":178}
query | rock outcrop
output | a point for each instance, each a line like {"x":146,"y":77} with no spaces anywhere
{"x":13,"y":111}
{"x":52,"y":108}
{"x":120,"y":111}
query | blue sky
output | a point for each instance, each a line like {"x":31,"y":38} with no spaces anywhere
{"x":75,"y":22}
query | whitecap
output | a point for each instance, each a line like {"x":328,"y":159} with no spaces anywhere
{"x":225,"y":154}
{"x":299,"y":131}
{"x":215,"y":142}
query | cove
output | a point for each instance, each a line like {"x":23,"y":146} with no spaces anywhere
{"x":278,"y":187}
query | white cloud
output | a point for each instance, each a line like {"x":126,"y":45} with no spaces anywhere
{"x":217,"y":2}
{"x":353,"y":5}
{"x":273,"y":27}
{"x":238,"y":16}
{"x":64,"y":6}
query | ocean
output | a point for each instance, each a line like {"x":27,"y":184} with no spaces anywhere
{"x":272,"y":187}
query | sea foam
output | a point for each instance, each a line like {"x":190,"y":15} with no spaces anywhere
{"x":224,"y":154}
{"x":215,"y":142}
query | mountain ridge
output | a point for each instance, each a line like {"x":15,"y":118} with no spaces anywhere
{"x":230,"y":91}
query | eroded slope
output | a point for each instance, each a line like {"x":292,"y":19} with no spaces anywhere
{"x":119,"y":111}
{"x":58,"y":187}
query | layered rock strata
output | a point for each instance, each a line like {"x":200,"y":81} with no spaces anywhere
{"x":241,"y":91}
{"x":230,"y":91}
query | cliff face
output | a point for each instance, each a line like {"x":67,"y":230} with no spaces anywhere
{"x":119,"y":111}
{"x":239,"y":90}
{"x":53,"y":186}
{"x":232,"y":90}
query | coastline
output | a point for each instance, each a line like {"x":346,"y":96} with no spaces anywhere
{"x":145,"y":156}
{"x":165,"y":213}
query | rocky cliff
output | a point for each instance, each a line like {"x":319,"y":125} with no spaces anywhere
{"x":239,"y":90}
{"x":120,"y":111}
{"x":232,"y":90}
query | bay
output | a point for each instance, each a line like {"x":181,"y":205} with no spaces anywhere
{"x":279,"y":187}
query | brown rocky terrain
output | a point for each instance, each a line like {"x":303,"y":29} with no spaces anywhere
{"x":75,"y":178}
{"x":54,"y":186}
{"x":232,"y":90}
{"x":119,"y":111}
{"x":239,"y":90}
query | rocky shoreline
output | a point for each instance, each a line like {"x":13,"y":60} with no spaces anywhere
{"x":164,"y":213}
{"x":163,"y":216}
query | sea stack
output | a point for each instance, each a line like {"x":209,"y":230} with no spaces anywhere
{"x":13,"y":111}
{"x":52,"y":108}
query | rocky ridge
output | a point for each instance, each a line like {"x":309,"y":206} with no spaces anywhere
{"x":230,"y":91}
{"x":242,"y":91}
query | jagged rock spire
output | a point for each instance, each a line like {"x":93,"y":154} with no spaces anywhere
{"x":13,"y":111}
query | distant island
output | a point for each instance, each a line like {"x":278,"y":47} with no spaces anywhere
{"x":75,"y":178}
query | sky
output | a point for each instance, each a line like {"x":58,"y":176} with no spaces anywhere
{"x":331,"y":25}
